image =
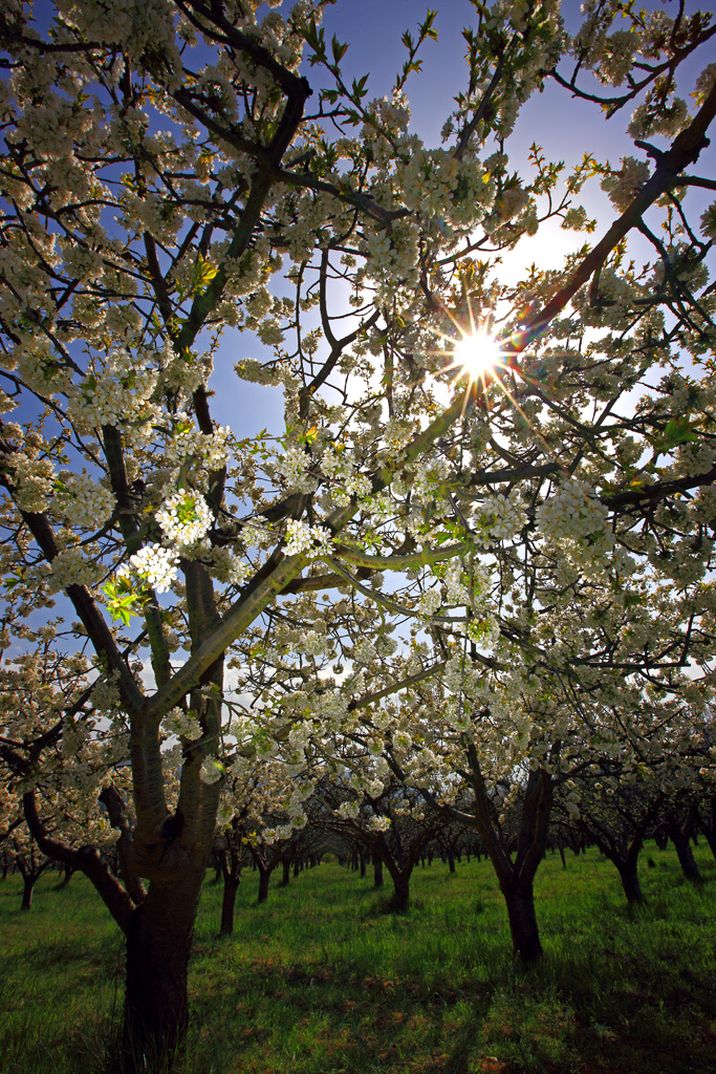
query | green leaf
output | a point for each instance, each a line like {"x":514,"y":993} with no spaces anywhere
{"x":676,"y":431}
{"x":339,"y":49}
{"x":358,"y":88}
{"x":204,"y":273}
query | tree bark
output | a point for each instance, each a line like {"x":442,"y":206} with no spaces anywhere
{"x":687,"y":861}
{"x":286,"y":877}
{"x":451,"y":861}
{"x":629,"y":877}
{"x":158,"y":946}
{"x":68,"y":873}
{"x":711,"y":840}
{"x":377,"y":872}
{"x":400,"y":899}
{"x":519,"y":898}
{"x":516,"y":877}
{"x":28,"y":886}
{"x":264,"y":878}
{"x":228,"y":904}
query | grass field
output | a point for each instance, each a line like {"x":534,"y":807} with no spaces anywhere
{"x":320,"y":980}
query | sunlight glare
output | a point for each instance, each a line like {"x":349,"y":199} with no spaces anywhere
{"x":477,"y":355}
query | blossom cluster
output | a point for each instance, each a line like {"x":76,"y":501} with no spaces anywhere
{"x":184,"y":724}
{"x":497,"y":519}
{"x":573,"y":512}
{"x":33,"y":478}
{"x":293,"y":466}
{"x":71,"y":567}
{"x":118,"y":393}
{"x":153,"y":565}
{"x":189,"y":443}
{"x":302,"y":538}
{"x":622,"y":186}
{"x":185,"y":517}
{"x":83,"y":501}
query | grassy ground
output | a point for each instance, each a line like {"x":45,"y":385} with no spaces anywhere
{"x":320,"y":980}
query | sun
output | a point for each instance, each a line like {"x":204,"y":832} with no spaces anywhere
{"x":477,"y":354}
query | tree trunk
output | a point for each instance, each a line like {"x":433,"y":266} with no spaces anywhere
{"x":228,"y":904}
{"x":68,"y":874}
{"x":297,"y":868}
{"x":661,"y":838}
{"x":687,"y":861}
{"x":630,"y":880}
{"x":519,"y":898}
{"x":377,"y":872}
{"x":264,"y":878}
{"x":451,"y":861}
{"x":362,"y":860}
{"x":286,"y":872}
{"x":28,"y":884}
{"x":400,"y":900}
{"x":158,"y":947}
{"x":711,"y":839}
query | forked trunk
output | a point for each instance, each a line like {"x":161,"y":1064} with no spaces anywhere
{"x":228,"y":904}
{"x":519,"y":898}
{"x":158,"y":947}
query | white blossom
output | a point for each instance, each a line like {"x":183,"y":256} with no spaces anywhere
{"x":185,"y":517}
{"x":153,"y":564}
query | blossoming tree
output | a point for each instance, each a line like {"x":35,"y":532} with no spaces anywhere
{"x":172,"y":186}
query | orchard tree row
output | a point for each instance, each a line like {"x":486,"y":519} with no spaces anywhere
{"x":357,"y":810}
{"x":470,"y":575}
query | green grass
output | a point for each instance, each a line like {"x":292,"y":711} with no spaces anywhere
{"x":320,"y":980}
